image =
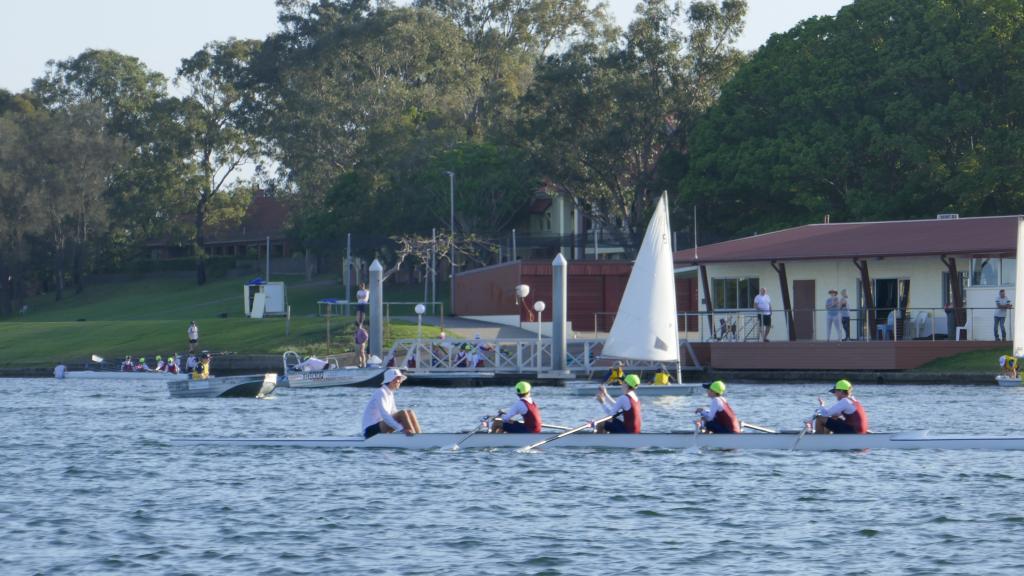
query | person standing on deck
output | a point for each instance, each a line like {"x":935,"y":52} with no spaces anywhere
{"x":832,"y":315}
{"x":1002,"y":305}
{"x":362,"y":303}
{"x":193,"y":336}
{"x":845,"y":416}
{"x":763,"y":304}
{"x":361,"y":337}
{"x":844,"y":313}
{"x":718,"y":418}
{"x":524,"y":407}
{"x":381,"y":416}
{"x":630,"y":420}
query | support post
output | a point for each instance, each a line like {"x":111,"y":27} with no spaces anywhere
{"x":376,"y":308}
{"x":515,"y":253}
{"x":708,"y":306}
{"x":559,"y":279}
{"x":787,"y":306}
{"x":433,"y":265}
{"x":268,"y":258}
{"x":348,"y":271}
{"x":869,"y":298}
{"x":958,"y":294}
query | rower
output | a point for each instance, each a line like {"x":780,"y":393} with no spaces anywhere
{"x":615,"y":374}
{"x":127,"y":365}
{"x":191,"y":363}
{"x":1009,"y":365}
{"x":718,"y":418}
{"x":140,"y":366}
{"x":172,"y":364}
{"x":525,"y":407}
{"x":381,"y":416}
{"x":202,"y":370}
{"x":160,"y":366}
{"x":845,"y":416}
{"x":662,"y":377}
{"x":630,"y":420}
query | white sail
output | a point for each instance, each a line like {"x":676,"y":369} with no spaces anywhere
{"x":1018,"y":295}
{"x":645,"y":325}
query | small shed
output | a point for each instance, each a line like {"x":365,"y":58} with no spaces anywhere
{"x":262,"y":298}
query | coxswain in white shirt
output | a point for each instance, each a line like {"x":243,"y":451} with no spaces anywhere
{"x":381,"y":416}
{"x":525,"y":408}
{"x":628,"y":419}
{"x":845,"y":416}
{"x":718,"y":418}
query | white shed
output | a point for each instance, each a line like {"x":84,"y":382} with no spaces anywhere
{"x":262,"y":298}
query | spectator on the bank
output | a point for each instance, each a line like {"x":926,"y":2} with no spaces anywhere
{"x":362,"y":303}
{"x":832,"y":315}
{"x":1002,"y":305}
{"x":844,"y":313}
{"x":361,"y":337}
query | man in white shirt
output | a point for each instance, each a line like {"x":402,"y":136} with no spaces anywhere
{"x":381,"y":416}
{"x":763,"y":303}
{"x":193,"y":336}
{"x":1002,"y":305}
{"x":362,"y":303}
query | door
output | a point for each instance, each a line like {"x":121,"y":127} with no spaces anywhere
{"x":803,"y":309}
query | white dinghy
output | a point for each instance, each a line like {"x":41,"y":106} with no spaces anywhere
{"x":671,"y":441}
{"x":645,"y":327}
{"x":1018,"y":316}
{"x":296,"y":375}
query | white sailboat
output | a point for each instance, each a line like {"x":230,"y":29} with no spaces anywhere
{"x":1018,"y":315}
{"x":645,"y":327}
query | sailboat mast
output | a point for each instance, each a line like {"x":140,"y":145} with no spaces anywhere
{"x":1018,"y":295}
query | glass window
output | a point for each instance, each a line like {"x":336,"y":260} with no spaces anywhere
{"x":734,"y":293}
{"x":984,"y":272}
{"x":1008,"y":271}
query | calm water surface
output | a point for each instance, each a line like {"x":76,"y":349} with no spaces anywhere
{"x":90,"y":486}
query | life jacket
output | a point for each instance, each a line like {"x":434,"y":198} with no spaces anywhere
{"x":140,"y":367}
{"x":632,"y":419}
{"x":127,"y":367}
{"x":726,"y":418}
{"x":172,"y":368}
{"x":660,"y":378}
{"x":858,"y":420}
{"x":202,"y":371}
{"x":532,"y":417}
{"x":615,"y":374}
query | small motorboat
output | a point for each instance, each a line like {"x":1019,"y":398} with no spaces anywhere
{"x":250,"y":386}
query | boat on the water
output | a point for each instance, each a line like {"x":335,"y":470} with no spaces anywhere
{"x":298,"y":375}
{"x":588,"y":388}
{"x":251,"y":386}
{"x":670,"y":440}
{"x":115,"y":375}
{"x":1007,"y":381}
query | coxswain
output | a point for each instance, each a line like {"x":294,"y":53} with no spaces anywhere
{"x":662,"y":377}
{"x":1009,"y":365}
{"x":160,"y":365}
{"x":140,"y":366}
{"x":524,"y":407}
{"x":381,"y":416}
{"x":718,"y":418}
{"x":615,"y":374}
{"x":202,"y":370}
{"x":127,"y":365}
{"x":626,"y":409}
{"x":845,"y":416}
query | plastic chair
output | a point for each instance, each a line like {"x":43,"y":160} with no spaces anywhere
{"x":966,"y":328}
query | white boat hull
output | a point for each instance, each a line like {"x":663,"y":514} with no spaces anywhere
{"x":1007,"y":381}
{"x":118,"y":376}
{"x":252,"y":386}
{"x":333,"y":377}
{"x":673,"y":441}
{"x":646,"y":390}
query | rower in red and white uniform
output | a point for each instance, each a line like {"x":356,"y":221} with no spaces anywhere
{"x":718,"y":418}
{"x":161,"y":366}
{"x":141,"y":366}
{"x":127,"y":365}
{"x":381,"y":416}
{"x":630,"y":421}
{"x":172,"y":364}
{"x":845,"y":416}
{"x":524,"y":407}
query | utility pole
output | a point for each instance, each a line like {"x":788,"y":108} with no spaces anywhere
{"x":451,"y":228}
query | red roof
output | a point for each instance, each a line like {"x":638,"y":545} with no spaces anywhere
{"x":992,"y":236}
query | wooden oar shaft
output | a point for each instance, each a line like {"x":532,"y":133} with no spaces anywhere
{"x":572,"y":431}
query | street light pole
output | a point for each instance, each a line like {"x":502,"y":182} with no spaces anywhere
{"x":451,"y":230}
{"x":420,"y":309}
{"x":539,"y":306}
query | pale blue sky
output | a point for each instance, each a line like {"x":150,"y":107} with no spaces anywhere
{"x":162,"y":32}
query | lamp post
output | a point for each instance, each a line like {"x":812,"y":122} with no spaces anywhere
{"x":420,"y":309}
{"x":539,"y":307}
{"x":451,"y":230}
{"x":522,"y":291}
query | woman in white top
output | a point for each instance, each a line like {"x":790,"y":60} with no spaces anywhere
{"x":381,"y":416}
{"x":362,"y":303}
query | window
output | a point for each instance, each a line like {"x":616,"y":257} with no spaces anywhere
{"x":734,"y":293}
{"x":993,"y":271}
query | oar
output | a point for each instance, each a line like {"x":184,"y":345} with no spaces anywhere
{"x":554,"y":427}
{"x":802,"y":432}
{"x":758,"y":428}
{"x":483,"y":424}
{"x":569,"y":432}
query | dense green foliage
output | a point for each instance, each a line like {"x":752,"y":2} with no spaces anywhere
{"x":892,"y":109}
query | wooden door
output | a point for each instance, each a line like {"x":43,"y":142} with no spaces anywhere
{"x":803,"y":309}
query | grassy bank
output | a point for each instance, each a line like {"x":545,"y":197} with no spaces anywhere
{"x":149,"y":316}
{"x":976,"y":361}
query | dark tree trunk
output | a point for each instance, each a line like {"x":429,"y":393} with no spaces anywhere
{"x":200,"y":242}
{"x":58,"y":268}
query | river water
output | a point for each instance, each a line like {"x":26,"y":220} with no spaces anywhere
{"x":91,"y":486}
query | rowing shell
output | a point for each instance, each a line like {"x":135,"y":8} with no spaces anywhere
{"x":672,"y":440}
{"x":122,"y":376}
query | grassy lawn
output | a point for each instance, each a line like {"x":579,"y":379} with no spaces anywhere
{"x":149,"y":316}
{"x":977,"y":361}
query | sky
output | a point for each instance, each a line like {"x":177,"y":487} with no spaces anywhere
{"x":162,"y":32}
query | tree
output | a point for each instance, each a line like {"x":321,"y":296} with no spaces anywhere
{"x":218,"y":146}
{"x":890,"y":109}
{"x":608,"y":121}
